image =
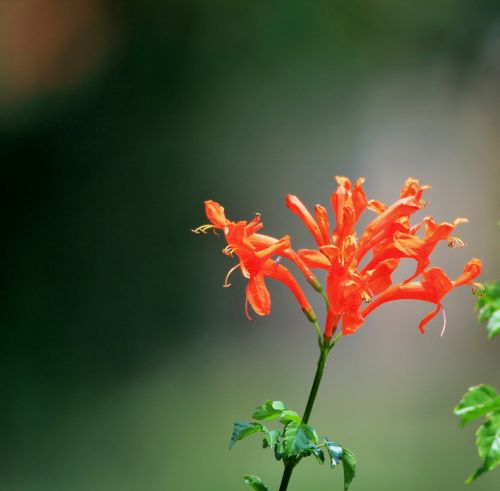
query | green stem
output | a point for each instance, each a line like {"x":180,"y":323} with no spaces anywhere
{"x":287,"y":474}
{"x":325,"y":348}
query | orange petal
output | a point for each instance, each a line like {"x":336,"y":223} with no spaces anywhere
{"x":314,"y":258}
{"x":351,"y":321}
{"x":429,"y":317}
{"x":471,"y":271}
{"x":215,"y":213}
{"x":296,"y":206}
{"x":258,"y":295}
{"x":323,"y":224}
{"x":282,"y":274}
{"x":376,"y":206}
{"x":277,"y":248}
{"x":359,"y":198}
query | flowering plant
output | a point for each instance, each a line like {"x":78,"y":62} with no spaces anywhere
{"x":356,"y":284}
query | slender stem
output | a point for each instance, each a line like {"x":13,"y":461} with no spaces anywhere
{"x":287,"y":474}
{"x":324,"y":350}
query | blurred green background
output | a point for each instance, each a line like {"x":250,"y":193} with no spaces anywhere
{"x":123,"y":361}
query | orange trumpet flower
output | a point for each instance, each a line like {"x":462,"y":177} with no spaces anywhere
{"x":389,"y":237}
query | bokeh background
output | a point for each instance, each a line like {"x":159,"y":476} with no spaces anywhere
{"x":123,"y":361}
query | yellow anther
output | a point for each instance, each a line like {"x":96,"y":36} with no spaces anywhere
{"x":366,"y":298}
{"x":479,"y":290}
{"x":202,"y":229}
{"x":226,"y":280}
{"x":455,"y":242}
{"x":228,"y":250}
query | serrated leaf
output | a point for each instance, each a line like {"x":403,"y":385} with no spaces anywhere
{"x":477,"y":401}
{"x":255,"y":482}
{"x":493,"y":326}
{"x":287,"y":416}
{"x":269,"y":410}
{"x":335,"y":452}
{"x":271,"y":438}
{"x":488,"y":445}
{"x":299,"y":438}
{"x":349,"y":463}
{"x":242,"y":429}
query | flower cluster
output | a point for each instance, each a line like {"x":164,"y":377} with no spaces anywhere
{"x":353,"y":290}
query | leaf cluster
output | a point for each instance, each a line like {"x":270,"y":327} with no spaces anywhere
{"x":483,"y":400}
{"x":292,"y":442}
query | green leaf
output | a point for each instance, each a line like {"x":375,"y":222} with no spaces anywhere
{"x":279,"y":450}
{"x":287,"y":416}
{"x":299,"y":439}
{"x":477,"y":401}
{"x":269,"y":410}
{"x":488,"y":445}
{"x":335,"y":452}
{"x":242,"y":429}
{"x":349,"y":464}
{"x":255,"y":482}
{"x":493,"y":326}
{"x":318,"y":453}
{"x":271,"y":438}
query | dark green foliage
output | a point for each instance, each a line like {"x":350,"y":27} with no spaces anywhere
{"x":291,"y":443}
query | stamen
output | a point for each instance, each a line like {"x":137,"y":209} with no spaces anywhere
{"x":423,"y":203}
{"x":203,"y":229}
{"x":455,"y":242}
{"x":478,"y":287}
{"x":226,"y":280}
{"x":444,"y":324}
{"x":366,"y":297}
{"x":229,"y":250}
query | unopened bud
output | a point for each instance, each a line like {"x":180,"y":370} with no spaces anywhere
{"x":315,"y":283}
{"x":309,"y":313}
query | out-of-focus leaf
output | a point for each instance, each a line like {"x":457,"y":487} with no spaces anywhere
{"x":493,"y":326}
{"x":488,"y":445}
{"x":488,"y":307}
{"x":255,"y":482}
{"x":477,"y":401}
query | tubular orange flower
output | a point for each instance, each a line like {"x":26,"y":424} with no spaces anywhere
{"x":389,"y":237}
{"x":255,"y":252}
{"x":434,"y":286}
